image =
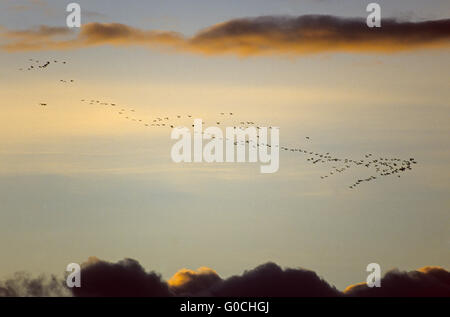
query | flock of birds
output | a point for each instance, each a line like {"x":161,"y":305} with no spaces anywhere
{"x":380,"y":166}
{"x":33,"y":65}
{"x":40,"y":65}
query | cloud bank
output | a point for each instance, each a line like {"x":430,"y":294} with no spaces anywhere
{"x":266,"y":35}
{"x":127,"y":278}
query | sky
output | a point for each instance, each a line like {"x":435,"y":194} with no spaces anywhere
{"x":77,"y":180}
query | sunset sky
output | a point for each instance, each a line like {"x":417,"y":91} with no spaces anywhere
{"x":78,"y":180}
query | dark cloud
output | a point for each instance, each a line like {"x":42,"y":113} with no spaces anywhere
{"x":425,"y":282}
{"x":269,"y":280}
{"x":126,"y":278}
{"x":268,"y":35}
{"x":318,"y":33}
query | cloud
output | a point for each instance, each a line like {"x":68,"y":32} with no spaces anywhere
{"x":311,"y":34}
{"x":127,"y":278}
{"x":189,"y":282}
{"x":28,"y":5}
{"x":267,"y":35}
{"x":39,"y":33}
{"x":430,"y":281}
{"x":23,"y":285}
{"x":269,"y":280}
{"x":39,"y":38}
{"x":120,"y":34}
{"x":91,"y":34}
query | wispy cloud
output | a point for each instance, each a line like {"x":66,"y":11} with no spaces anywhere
{"x":34,"y":6}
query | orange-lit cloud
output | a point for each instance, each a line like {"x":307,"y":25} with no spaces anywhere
{"x":40,"y":38}
{"x":120,"y":34}
{"x":90,"y":261}
{"x":91,"y":34}
{"x":352,"y":287}
{"x":185,"y":276}
{"x":309,"y":34}
{"x":186,"y":282}
{"x":41,"y":32}
{"x":431,"y":269}
{"x":431,"y":281}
